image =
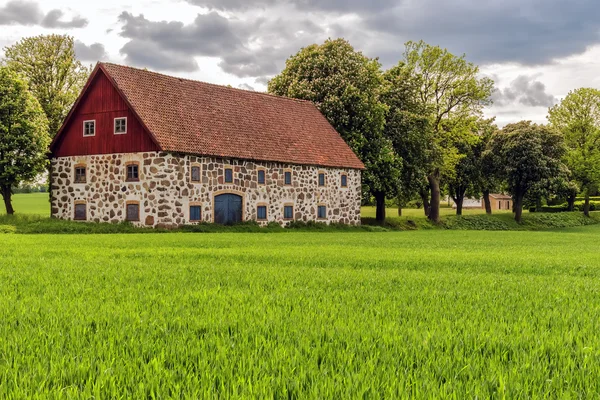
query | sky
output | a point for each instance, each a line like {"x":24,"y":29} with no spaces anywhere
{"x":536,"y":51}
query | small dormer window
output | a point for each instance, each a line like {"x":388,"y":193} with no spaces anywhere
{"x":120,"y":126}
{"x":89,"y":128}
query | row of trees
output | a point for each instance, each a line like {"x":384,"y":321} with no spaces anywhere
{"x":419,"y":128}
{"x":40,"y":79}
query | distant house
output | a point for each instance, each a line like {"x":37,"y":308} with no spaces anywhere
{"x":163,"y":151}
{"x":500,"y":202}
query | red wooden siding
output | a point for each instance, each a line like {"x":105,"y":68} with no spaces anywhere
{"x":102,"y":103}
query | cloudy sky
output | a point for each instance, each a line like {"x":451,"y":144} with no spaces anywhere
{"x":535,"y":50}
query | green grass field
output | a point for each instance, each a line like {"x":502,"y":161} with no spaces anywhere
{"x":422,"y":314}
{"x":29,"y":204}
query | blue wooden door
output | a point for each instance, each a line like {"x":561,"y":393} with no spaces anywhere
{"x":228,"y":209}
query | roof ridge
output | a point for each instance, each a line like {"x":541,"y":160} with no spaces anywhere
{"x":254,"y":92}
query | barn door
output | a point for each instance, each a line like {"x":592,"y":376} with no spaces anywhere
{"x":228,"y":209}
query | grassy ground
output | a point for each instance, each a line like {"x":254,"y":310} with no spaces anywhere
{"x":29,"y":204}
{"x":423,"y":314}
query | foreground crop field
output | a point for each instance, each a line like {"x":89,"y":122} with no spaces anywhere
{"x":301,"y":315}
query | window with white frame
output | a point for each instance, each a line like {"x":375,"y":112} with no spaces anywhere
{"x":120,"y":126}
{"x":89,"y":128}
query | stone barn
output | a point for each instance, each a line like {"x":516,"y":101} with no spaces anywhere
{"x":158,"y":150}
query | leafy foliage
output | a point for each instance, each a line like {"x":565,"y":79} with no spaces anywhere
{"x":345,"y":86}
{"x":24,"y":136}
{"x":578,"y":118}
{"x":53,"y":73}
{"x":450,"y":91}
{"x":529,"y":154}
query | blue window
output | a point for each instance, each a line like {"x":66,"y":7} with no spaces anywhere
{"x":287,"y":178}
{"x":322,"y":212}
{"x":195,"y":213}
{"x":261,"y":177}
{"x":261,"y":212}
{"x":228,"y":175}
{"x":344,"y":180}
{"x":321,"y":179}
{"x":288,"y":212}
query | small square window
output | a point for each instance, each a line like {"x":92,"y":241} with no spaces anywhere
{"x":133,"y":173}
{"x":228,"y":175}
{"x":322,"y":212}
{"x":80,"y":212}
{"x":120,"y":126}
{"x":80,"y":175}
{"x":195,"y":213}
{"x":288,"y":212}
{"x":287,"y":178}
{"x":261,"y":213}
{"x":133,"y":212}
{"x":261,"y":177}
{"x":321,"y":179}
{"x":344,"y":180}
{"x":195,"y":173}
{"x":89,"y":128}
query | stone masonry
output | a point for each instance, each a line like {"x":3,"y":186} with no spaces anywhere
{"x":165,"y":189}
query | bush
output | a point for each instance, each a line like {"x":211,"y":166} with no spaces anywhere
{"x":594,"y":205}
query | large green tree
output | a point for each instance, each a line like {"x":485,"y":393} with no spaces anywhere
{"x":450,"y":87}
{"x":529,"y":154}
{"x":54,"y":74}
{"x":345,"y":86}
{"x":577,"y":116}
{"x":468,"y":178}
{"x":24,"y":135}
{"x":408,"y":129}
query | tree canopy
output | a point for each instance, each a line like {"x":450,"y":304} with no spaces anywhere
{"x":529,"y":154}
{"x":449,"y":89}
{"x":577,"y":116}
{"x":24,"y":135}
{"x":345,"y":86}
{"x":53,"y":73}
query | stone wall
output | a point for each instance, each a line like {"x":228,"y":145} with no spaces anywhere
{"x":165,"y":190}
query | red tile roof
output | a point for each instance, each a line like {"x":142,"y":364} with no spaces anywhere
{"x":200,"y":118}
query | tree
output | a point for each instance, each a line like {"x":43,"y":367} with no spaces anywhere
{"x":530,"y":154}
{"x":449,"y":88}
{"x":345,"y":86}
{"x":408,"y":130}
{"x":467,"y":179}
{"x":53,"y":73}
{"x":24,"y":135}
{"x":577,"y":116}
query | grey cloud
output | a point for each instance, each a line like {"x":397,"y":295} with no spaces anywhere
{"x":145,"y":53}
{"x":526,"y":91}
{"x":93,"y":52}
{"x":526,"y":32}
{"x":172,"y":45}
{"x":337,"y":6}
{"x":17,"y":12}
{"x":247,"y":48}
{"x":245,"y":86}
{"x":20,"y":13}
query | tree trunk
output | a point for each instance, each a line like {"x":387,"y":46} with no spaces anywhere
{"x":425,"y":199}
{"x":571,"y":202}
{"x":486,"y":201}
{"x":586,"y":205}
{"x":399,"y":211}
{"x":538,"y":204}
{"x":434,"y":207}
{"x":380,"y":213}
{"x":459,"y":198}
{"x":7,"y":196}
{"x":518,"y":207}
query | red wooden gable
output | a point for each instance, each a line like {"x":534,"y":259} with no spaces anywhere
{"x":102,"y":102}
